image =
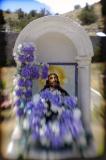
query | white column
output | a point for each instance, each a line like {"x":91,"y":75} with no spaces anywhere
{"x":84,"y":90}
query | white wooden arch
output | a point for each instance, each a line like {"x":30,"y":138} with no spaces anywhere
{"x":60,"y":39}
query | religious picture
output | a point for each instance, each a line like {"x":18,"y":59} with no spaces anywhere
{"x":66,"y":74}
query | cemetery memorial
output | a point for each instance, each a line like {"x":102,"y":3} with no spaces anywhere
{"x":51,"y":94}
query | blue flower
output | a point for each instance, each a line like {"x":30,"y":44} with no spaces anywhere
{"x":37,"y":110}
{"x":26,"y":71}
{"x":63,"y":129}
{"x":21,"y":82}
{"x":19,"y":92}
{"x":49,"y":132}
{"x":66,"y":115}
{"x":44,"y":74}
{"x":20,"y":112}
{"x":28,"y":93}
{"x":35,"y":135}
{"x":22,"y":58}
{"x":46,"y":94}
{"x":34,"y":122}
{"x":30,"y":58}
{"x":70,"y":101}
{"x":18,"y":102}
{"x":28,"y":83}
{"x":28,"y":48}
{"x":29,"y":106}
{"x":39,"y":107}
{"x":35,"y":71}
{"x":74,"y":129}
{"x":57,"y":142}
{"x":56,"y":99}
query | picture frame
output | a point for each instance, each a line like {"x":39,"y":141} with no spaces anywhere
{"x":67,"y":74}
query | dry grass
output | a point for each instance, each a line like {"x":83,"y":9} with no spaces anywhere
{"x":92,"y":28}
{"x":12,"y":16}
{"x":96,"y":76}
{"x":7,"y":74}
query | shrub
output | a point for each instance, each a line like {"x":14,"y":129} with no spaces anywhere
{"x":87,"y":15}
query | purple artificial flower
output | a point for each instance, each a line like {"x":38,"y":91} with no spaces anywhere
{"x":34,"y":122}
{"x":26,"y":71}
{"x":57,"y":142}
{"x":35,"y":135}
{"x":74,"y":129}
{"x":70,"y":101}
{"x":56,"y":100}
{"x":36,"y":115}
{"x":29,"y":106}
{"x":28,"y":99}
{"x":18,"y":102}
{"x":28,"y":48}
{"x":35,"y":71}
{"x":37,"y":112}
{"x":66,"y":117}
{"x":21,"y":83}
{"x":22,"y":58}
{"x":63,"y":129}
{"x":30,"y":58}
{"x":44,"y":74}
{"x":46,"y":94}
{"x":28,"y":93}
{"x":49,"y":133}
{"x":20,"y":112}
{"x":28,"y":83}
{"x":19,"y":92}
{"x":39,"y":108}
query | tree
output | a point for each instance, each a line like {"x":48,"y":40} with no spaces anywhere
{"x":87,"y":15}
{"x":2,"y":40}
{"x":2,"y":21}
{"x":8,"y":11}
{"x":20,"y":13}
{"x":103,"y":39}
{"x":77,"y":6}
{"x":44,"y":12}
{"x":56,"y":14}
{"x":32,"y":13}
{"x":103,"y":3}
{"x":103,"y":53}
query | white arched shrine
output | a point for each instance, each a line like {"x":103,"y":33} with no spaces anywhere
{"x":53,"y":31}
{"x":59,"y":39}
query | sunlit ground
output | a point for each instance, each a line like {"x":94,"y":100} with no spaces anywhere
{"x":97,"y":102}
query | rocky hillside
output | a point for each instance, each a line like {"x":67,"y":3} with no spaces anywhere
{"x":91,"y":29}
{"x":94,"y":27}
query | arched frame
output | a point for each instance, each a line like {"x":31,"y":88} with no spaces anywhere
{"x":82,"y":51}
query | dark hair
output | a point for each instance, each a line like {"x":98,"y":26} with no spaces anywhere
{"x":47,"y":85}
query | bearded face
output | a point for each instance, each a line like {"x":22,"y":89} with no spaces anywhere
{"x":53,"y":80}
